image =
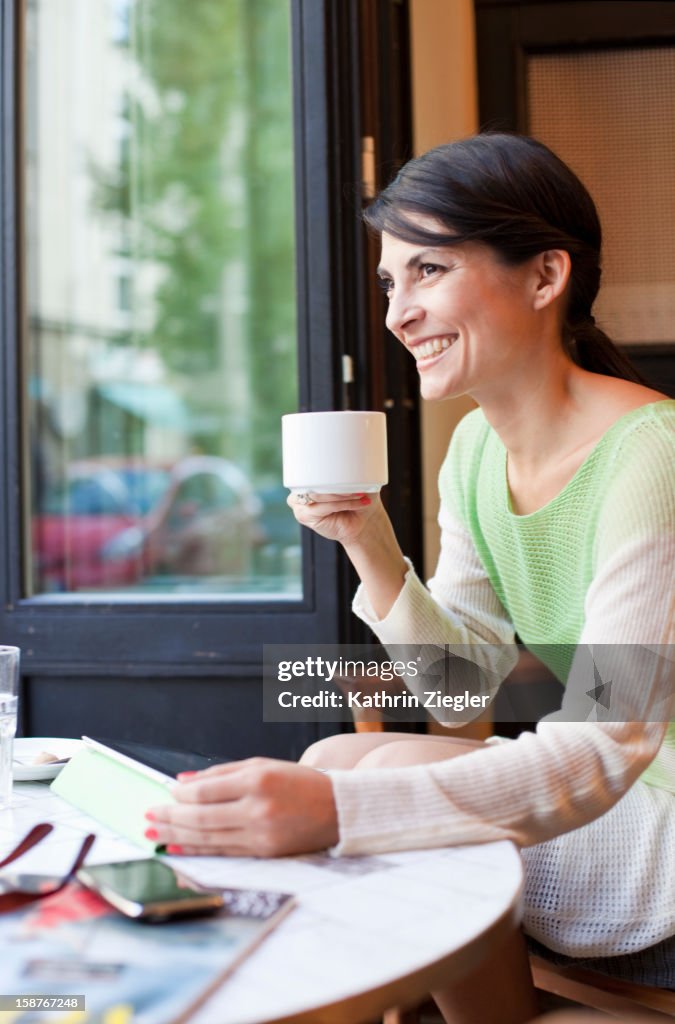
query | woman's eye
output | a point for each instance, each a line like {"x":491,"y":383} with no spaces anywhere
{"x":386,"y":284}
{"x":430,"y":268}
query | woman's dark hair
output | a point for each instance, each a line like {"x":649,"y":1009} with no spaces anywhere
{"x":515,"y":195}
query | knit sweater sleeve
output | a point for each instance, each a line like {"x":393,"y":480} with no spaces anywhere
{"x":569,"y":772}
{"x":459,"y":608}
{"x":527,"y":790}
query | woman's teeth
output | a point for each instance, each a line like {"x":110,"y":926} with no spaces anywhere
{"x":433,"y":347}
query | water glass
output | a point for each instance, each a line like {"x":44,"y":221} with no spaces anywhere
{"x":9,"y":701}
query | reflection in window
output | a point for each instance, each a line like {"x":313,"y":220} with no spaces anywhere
{"x":161,"y":295}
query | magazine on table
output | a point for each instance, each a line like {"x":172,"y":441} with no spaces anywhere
{"x":76,"y":943}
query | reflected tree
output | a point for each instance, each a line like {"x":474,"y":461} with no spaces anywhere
{"x":205,"y":189}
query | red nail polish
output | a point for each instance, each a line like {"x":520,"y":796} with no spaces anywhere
{"x":151,"y":833}
{"x":364,"y":499}
{"x":185,"y":775}
{"x":174,"y":849}
{"x":149,"y":816}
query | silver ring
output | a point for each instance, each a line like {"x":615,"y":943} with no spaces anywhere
{"x":303,"y":499}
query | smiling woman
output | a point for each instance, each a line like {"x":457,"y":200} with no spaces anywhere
{"x":558,"y":518}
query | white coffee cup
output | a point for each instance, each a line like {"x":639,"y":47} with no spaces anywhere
{"x":334,"y":452}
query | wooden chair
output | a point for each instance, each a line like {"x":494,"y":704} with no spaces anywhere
{"x":616,"y":998}
{"x":622,"y":999}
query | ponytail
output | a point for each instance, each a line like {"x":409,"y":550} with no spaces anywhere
{"x":591,"y":349}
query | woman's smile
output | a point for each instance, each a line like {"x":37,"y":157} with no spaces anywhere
{"x":428,"y":352}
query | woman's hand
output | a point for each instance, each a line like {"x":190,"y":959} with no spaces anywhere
{"x":361,"y":524}
{"x":254,"y":808}
{"x":340,"y":517}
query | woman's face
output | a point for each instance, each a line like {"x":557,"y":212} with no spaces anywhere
{"x":467,"y":319}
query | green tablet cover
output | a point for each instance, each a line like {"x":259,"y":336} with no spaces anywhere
{"x":115,"y":793}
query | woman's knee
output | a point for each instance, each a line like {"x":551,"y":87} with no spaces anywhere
{"x":319,"y":754}
{"x":347,"y":749}
{"x":405,"y":752}
{"x":342,"y":751}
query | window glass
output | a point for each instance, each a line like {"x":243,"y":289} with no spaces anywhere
{"x":161,"y":335}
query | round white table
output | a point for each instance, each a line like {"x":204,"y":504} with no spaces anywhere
{"x":368,"y":933}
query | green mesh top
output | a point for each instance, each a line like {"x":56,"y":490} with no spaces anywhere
{"x":594,"y":565}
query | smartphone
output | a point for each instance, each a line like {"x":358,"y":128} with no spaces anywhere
{"x":149,"y":889}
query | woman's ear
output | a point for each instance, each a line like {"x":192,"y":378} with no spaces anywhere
{"x":551,"y":276}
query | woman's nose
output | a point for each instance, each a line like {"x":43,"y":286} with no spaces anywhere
{"x":402,"y":311}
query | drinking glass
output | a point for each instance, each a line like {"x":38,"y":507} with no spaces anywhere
{"x":9,"y":701}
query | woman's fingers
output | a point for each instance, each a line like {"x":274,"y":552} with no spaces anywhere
{"x":217,"y":771}
{"x":214,"y":769}
{"x":206,"y":801}
{"x":308,"y":507}
{"x":224,"y":781}
{"x":310,"y":498}
{"x":203,"y":817}
{"x":231,"y":843}
{"x":206,"y":829}
{"x":263,"y":807}
{"x":338,"y":517}
{"x":231,"y":848}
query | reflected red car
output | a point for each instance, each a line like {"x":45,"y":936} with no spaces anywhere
{"x":114,"y":523}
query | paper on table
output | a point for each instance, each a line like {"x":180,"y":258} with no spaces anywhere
{"x":116,"y":791}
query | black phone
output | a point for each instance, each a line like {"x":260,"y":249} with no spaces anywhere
{"x":149,"y":889}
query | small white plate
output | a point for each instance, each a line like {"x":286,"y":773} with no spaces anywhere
{"x":27,"y":748}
